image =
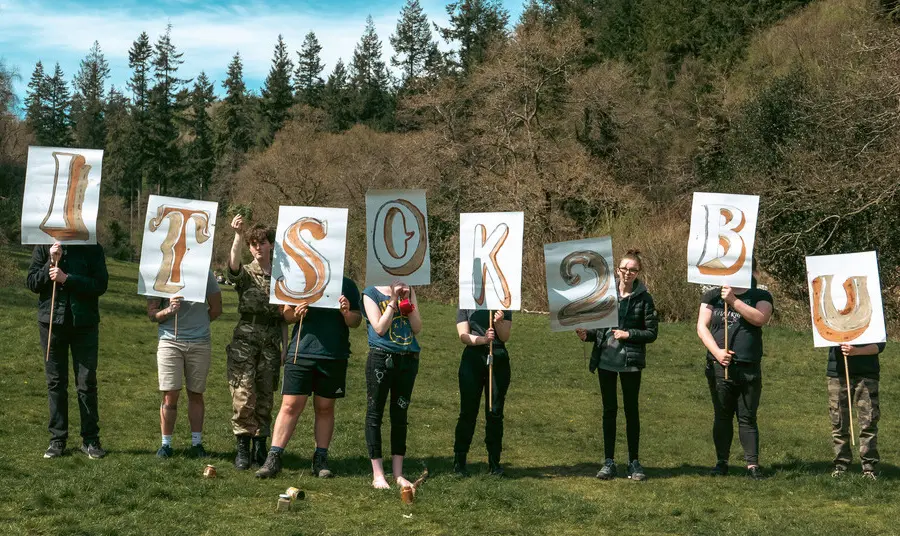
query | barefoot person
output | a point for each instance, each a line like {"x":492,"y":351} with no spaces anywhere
{"x":393,"y":321}
{"x":317,"y":366}
{"x":255,"y":353}
{"x":80,"y":275}
{"x":184,"y":360}
{"x":621,"y":352}
{"x":475,"y":332}
{"x":748,"y":310}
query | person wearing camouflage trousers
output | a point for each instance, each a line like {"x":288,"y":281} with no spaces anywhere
{"x":256,"y":351}
{"x":864,"y":375}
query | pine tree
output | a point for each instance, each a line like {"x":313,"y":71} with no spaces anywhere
{"x":138,"y":145}
{"x":370,"y":81}
{"x":59,"y":125}
{"x":308,"y":83}
{"x":163,"y":138}
{"x":200,"y":159}
{"x":116,"y":158}
{"x":37,"y":105}
{"x":336,"y":99}
{"x":232,"y":119}
{"x":87,"y":100}
{"x":412,"y":42}
{"x":277,"y":95}
{"x":475,"y":24}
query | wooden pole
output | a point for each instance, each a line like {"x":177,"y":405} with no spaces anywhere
{"x":176,"y":326}
{"x":849,"y":401}
{"x":299,"y":335}
{"x":52,"y":307}
{"x":491,"y":364}
{"x":726,"y":337}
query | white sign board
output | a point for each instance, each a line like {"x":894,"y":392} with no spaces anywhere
{"x":397,"y":237}
{"x":177,"y":248}
{"x":581,"y":284}
{"x":308,"y":264}
{"x":62,"y":195}
{"x":490,"y":260}
{"x":720,"y":247}
{"x":845,"y":299}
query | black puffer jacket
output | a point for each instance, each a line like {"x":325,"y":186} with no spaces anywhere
{"x":637,"y":316}
{"x":85,"y":267}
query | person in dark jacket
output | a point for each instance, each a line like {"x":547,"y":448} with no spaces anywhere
{"x":79,"y":273}
{"x":620,"y":353}
{"x":865,"y":371}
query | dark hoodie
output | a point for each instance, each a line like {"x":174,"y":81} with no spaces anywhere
{"x":637,"y":316}
{"x":865,"y":366}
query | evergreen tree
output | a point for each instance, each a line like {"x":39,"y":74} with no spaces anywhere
{"x":163,"y":108}
{"x":336,"y":98}
{"x":232,"y":118}
{"x":200,"y":159}
{"x":370,"y":81}
{"x":138,"y":145}
{"x":116,"y":157}
{"x":87,"y":100}
{"x":59,"y":125}
{"x":474,"y":24}
{"x":412,"y":42}
{"x":308,"y":83}
{"x":37,"y":103}
{"x":277,"y":95}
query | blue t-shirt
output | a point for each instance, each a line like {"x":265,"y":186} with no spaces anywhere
{"x":399,"y":336}
{"x":325,"y":335}
{"x":193,"y":318}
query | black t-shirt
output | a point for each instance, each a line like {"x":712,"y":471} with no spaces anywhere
{"x":325,"y":334}
{"x":744,"y":339}
{"x":479,"y":322}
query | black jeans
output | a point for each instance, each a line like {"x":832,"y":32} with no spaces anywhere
{"x":395,"y":375}
{"x":84,"y":344}
{"x":473,"y":380}
{"x":631,"y":388}
{"x":739,"y":394}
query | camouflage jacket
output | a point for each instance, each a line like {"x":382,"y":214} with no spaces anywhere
{"x":252,"y":285}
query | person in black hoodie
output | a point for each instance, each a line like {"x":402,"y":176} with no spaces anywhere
{"x":865,"y":370}
{"x":620,"y":352}
{"x":80,"y":275}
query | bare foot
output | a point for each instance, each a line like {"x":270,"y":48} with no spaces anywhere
{"x":403,"y":483}
{"x":380,"y":483}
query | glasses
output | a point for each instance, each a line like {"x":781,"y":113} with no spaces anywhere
{"x":630,"y":271}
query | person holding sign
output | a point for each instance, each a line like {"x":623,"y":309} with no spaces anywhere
{"x":748,"y":309}
{"x":316,"y":362}
{"x":255,"y":353}
{"x":69,"y":280}
{"x":864,"y":371}
{"x":183,"y":356}
{"x":621,"y":352}
{"x":478,"y":331}
{"x":393,"y":321}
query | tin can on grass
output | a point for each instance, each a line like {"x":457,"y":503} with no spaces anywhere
{"x":209,"y":471}
{"x":296,"y":494}
{"x":284,"y":502}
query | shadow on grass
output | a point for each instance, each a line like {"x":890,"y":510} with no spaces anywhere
{"x":825,"y":467}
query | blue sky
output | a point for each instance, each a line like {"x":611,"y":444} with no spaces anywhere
{"x":208,"y":32}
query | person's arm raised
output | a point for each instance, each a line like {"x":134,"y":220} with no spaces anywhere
{"x":234,"y":256}
{"x":704,"y":318}
{"x":380,"y":322}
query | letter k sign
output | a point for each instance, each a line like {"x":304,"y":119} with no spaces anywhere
{"x":484,"y":264}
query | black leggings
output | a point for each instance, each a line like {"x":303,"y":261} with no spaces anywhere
{"x":631,"y":388}
{"x":394,"y":375}
{"x":740,"y":394}
{"x":473,"y":380}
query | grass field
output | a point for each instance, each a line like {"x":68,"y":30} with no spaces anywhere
{"x":552,"y":444}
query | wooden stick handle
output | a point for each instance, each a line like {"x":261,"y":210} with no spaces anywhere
{"x":50,"y":328}
{"x":491,"y":364}
{"x":176,"y":326}
{"x":849,"y":402}
{"x":299,"y":336}
{"x":726,"y":336}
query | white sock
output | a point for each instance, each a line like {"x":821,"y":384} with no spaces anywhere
{"x":167,"y":440}
{"x":196,"y":438}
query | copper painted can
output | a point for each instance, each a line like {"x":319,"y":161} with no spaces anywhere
{"x":210,"y":471}
{"x":296,"y":494}
{"x":284,"y":503}
{"x":407,"y":494}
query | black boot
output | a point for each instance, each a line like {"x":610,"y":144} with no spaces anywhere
{"x":271,"y":467}
{"x":320,"y":465}
{"x":459,"y":464}
{"x":242,"y":460}
{"x":494,"y":466}
{"x":260,"y":451}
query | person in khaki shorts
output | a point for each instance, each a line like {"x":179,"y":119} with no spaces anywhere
{"x":184,"y":360}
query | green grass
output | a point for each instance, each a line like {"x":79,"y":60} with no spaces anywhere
{"x":553,"y":444}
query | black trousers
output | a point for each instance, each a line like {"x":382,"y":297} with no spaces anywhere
{"x":84,"y":344}
{"x":473,"y":380}
{"x":739,"y":395}
{"x":389,"y":375}
{"x":631,"y":388}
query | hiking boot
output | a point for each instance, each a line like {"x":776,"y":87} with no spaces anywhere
{"x":755,"y":472}
{"x":870,"y":474}
{"x":271,"y":467}
{"x":197,"y":451}
{"x":494,"y":467}
{"x":721,"y":469}
{"x":320,"y":466}
{"x":608,"y":472}
{"x":839,"y":471}
{"x":56,"y":449}
{"x":164,"y":452}
{"x":93,"y":450}
{"x":635,"y":471}
{"x":260,"y":451}
{"x":459,"y":464}
{"x":242,"y":460}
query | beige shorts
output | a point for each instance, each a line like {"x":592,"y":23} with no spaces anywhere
{"x":176,"y":360}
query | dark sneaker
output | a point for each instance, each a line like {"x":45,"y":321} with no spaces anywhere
{"x":56,"y":449}
{"x":93,"y":450}
{"x":459,"y":464}
{"x":839,"y":471}
{"x":755,"y":472}
{"x":164,"y":452}
{"x":320,"y":466}
{"x":608,"y":472}
{"x":869,"y":474}
{"x":271,"y":467}
{"x":494,"y":467}
{"x":197,"y":451}
{"x":242,"y":460}
{"x":721,"y":469}
{"x":636,"y":471}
